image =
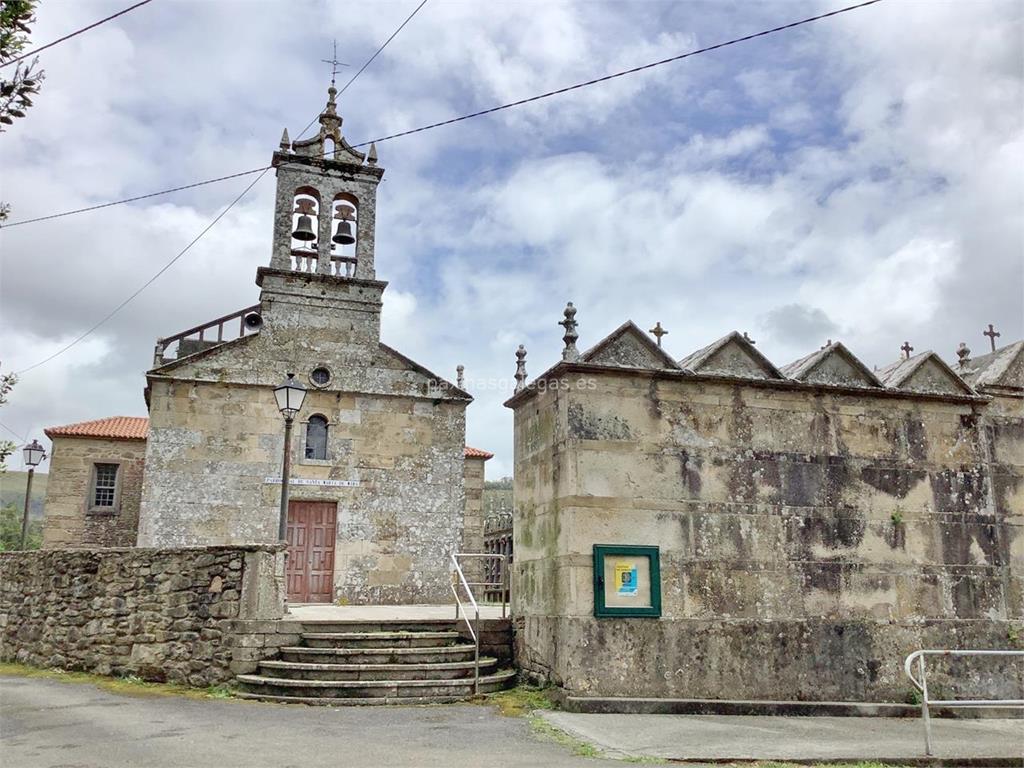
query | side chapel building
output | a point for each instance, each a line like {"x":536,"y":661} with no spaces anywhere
{"x":378,"y":501}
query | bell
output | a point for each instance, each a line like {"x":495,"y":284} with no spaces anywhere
{"x":304,"y":229}
{"x":344,"y":234}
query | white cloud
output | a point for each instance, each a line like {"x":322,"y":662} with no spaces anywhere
{"x":853,"y":166}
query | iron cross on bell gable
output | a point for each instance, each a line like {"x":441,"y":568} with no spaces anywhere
{"x":333,"y":61}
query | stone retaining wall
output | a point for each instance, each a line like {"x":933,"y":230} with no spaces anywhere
{"x":179,"y":615}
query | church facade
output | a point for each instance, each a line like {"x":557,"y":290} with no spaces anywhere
{"x":377,"y":500}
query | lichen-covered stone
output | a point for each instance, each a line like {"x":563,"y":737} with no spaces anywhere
{"x":812,"y":534}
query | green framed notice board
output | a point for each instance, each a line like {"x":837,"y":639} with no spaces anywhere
{"x":627,"y":581}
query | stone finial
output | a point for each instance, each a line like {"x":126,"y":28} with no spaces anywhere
{"x":286,"y":143}
{"x":746,"y":338}
{"x":460,"y":379}
{"x":827,"y":344}
{"x":570,"y":353}
{"x":963,"y":352}
{"x":906,"y":349}
{"x":371,"y":156}
{"x":657,"y":331}
{"x":520,"y":368}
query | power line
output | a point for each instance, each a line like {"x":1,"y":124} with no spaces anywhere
{"x":151,"y":280}
{"x":480,"y":113}
{"x":369,"y":61}
{"x":23,"y":438}
{"x":74,"y":34}
{"x":139,"y":197}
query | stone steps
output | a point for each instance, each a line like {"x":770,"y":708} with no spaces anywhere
{"x":351,"y":701}
{"x":345,"y":690}
{"x":340,"y":663}
{"x":387,"y":655}
{"x":400,"y":639}
{"x":344,"y":672}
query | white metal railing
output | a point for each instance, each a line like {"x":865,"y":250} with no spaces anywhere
{"x":922,"y":686}
{"x":501,"y":584}
{"x":459,"y":578}
{"x":474,"y":630}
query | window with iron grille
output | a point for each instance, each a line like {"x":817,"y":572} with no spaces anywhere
{"x":104,"y":486}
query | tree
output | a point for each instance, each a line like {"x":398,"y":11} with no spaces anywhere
{"x":17,"y":86}
{"x":7,"y":382}
{"x":10,"y":530}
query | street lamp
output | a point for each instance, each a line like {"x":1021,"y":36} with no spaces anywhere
{"x":289,"y":395}
{"x":33,"y":453}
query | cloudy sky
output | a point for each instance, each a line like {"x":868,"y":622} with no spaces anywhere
{"x":859,"y":178}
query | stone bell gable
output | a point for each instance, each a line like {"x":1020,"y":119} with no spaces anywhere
{"x":378,"y":450}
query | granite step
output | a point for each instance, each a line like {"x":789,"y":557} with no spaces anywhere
{"x":389,"y":625}
{"x":387,"y":655}
{"x":343,"y":672}
{"x":351,"y":701}
{"x":343,"y":690}
{"x":395,"y":639}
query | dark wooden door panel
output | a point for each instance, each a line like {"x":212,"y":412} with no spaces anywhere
{"x":311,"y":537}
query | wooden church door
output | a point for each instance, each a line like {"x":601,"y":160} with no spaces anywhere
{"x":311,"y":536}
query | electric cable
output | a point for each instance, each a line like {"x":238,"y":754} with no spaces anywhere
{"x":73,"y":34}
{"x":471,"y":115}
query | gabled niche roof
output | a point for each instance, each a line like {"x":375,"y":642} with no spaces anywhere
{"x":1003,"y":368}
{"x":629,"y":347}
{"x":731,"y":355}
{"x":924,"y":372}
{"x":833,"y":365}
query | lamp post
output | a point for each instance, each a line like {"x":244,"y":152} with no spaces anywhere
{"x":33,"y":453}
{"x":289,"y":395}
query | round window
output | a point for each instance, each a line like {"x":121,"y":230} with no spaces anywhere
{"x":320,"y":376}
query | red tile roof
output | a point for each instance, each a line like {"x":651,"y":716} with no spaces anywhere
{"x":114,"y":428}
{"x":476,"y":453}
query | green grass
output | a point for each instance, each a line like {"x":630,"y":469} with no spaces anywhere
{"x":123,"y":686}
{"x":520,"y":701}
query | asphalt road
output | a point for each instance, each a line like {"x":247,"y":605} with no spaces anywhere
{"x":54,"y":724}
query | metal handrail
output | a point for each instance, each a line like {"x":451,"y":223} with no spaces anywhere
{"x":164,"y":342}
{"x":474,"y":632}
{"x":502,"y":584}
{"x":922,"y":685}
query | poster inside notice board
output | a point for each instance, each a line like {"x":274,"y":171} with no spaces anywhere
{"x":627,"y":580}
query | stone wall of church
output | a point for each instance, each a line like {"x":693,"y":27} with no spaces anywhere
{"x":192,"y":616}
{"x":214,"y":463}
{"x":70,"y":519}
{"x":809,"y":538}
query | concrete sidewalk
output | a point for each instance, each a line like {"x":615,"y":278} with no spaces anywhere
{"x":804,"y":739}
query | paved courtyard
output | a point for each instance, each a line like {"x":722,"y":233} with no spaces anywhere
{"x":369,"y":613}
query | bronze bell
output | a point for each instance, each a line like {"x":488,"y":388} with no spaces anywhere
{"x":343,"y":236}
{"x":304,"y":229}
